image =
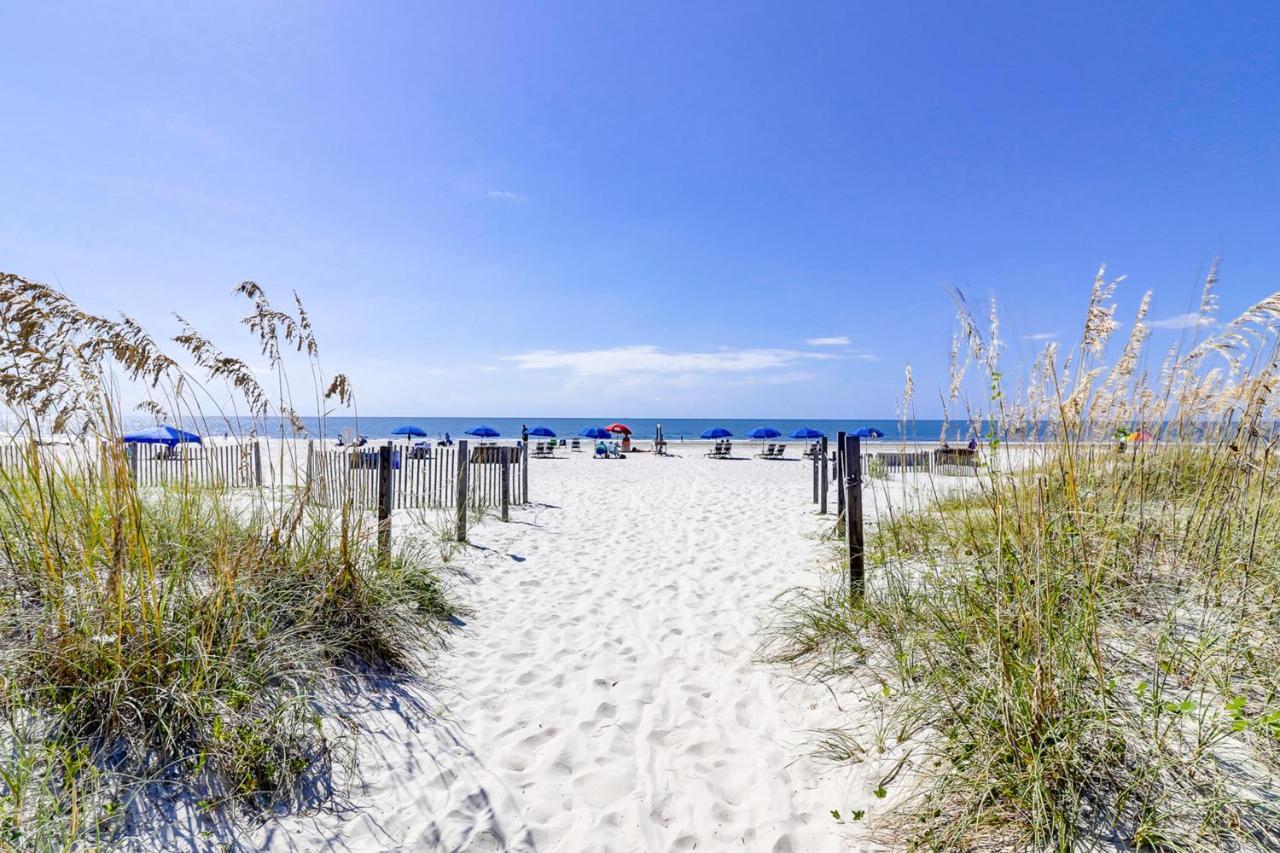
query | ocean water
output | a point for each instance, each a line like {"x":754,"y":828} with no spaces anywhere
{"x":674,"y":429}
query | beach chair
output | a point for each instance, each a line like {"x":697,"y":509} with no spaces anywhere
{"x":781,"y":452}
{"x":728,"y":449}
{"x":576,"y":447}
{"x":420,"y":450}
{"x":550,"y":450}
{"x":715,"y":451}
{"x":766,"y":452}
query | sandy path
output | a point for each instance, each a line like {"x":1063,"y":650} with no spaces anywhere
{"x":606,"y":693}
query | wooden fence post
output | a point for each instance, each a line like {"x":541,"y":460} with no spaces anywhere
{"x":853,"y":515}
{"x":822,"y":496}
{"x":506,"y":483}
{"x":131,"y":455}
{"x":384,"y":501}
{"x":461,"y":477}
{"x":839,"y":474}
{"x":524,"y":472}
{"x":257,"y":462}
{"x":817,"y":489}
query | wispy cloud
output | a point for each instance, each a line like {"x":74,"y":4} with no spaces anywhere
{"x":1181,"y":321}
{"x":651,"y":359}
{"x":1040,"y":336}
{"x":832,"y":341}
{"x":504,"y":195}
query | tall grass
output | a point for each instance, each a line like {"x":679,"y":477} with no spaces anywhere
{"x":1080,"y":648}
{"x":176,"y":641}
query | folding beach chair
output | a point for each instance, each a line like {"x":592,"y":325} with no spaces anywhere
{"x":780,"y":452}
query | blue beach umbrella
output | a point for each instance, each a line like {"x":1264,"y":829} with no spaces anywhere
{"x":763,"y":432}
{"x":716,"y":432}
{"x":163,"y":434}
{"x":483,"y":431}
{"x":542,"y":432}
{"x":807,"y":432}
{"x":410,"y":430}
{"x":868,"y":432}
{"x":594,"y":432}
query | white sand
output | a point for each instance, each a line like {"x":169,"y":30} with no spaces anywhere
{"x":607,"y":693}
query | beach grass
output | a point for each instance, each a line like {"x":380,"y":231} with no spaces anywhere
{"x":1079,"y":648}
{"x":179,"y":642}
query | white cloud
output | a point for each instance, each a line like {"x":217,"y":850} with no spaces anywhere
{"x":650,"y":359}
{"x":1181,"y":321}
{"x":505,"y":195}
{"x":832,"y":341}
{"x":1040,"y":336}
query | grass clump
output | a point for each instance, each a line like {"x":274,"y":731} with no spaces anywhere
{"x":180,"y":642}
{"x":1080,"y":647}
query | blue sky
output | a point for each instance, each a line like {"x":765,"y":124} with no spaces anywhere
{"x":641,"y":209}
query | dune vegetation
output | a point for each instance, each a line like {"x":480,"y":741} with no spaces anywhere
{"x":1081,"y":648}
{"x":177,"y":642}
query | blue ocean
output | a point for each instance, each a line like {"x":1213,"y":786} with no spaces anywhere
{"x":674,"y":429}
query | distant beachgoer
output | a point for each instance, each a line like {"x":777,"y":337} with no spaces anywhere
{"x":524,"y":434}
{"x":973,"y":444}
{"x":448,"y":441}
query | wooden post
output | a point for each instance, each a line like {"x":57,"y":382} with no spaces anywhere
{"x":463,"y":467}
{"x":839,"y":473}
{"x":257,"y":462}
{"x":131,"y":455}
{"x":384,"y":501}
{"x":506,"y":483}
{"x":853,"y":515}
{"x":816,"y":488}
{"x":524,"y":472}
{"x":822,"y":497}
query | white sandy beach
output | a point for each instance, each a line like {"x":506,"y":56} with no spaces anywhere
{"x":607,"y":693}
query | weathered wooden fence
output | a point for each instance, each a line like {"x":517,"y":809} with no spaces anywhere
{"x":419,"y":479}
{"x":953,"y":462}
{"x":230,"y":466}
{"x":850,"y":465}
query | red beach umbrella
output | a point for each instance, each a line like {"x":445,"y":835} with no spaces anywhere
{"x":622,"y":428}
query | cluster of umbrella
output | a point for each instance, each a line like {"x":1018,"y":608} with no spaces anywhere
{"x":165,"y":434}
{"x":763,"y":432}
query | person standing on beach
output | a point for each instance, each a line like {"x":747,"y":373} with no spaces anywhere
{"x":524,"y":434}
